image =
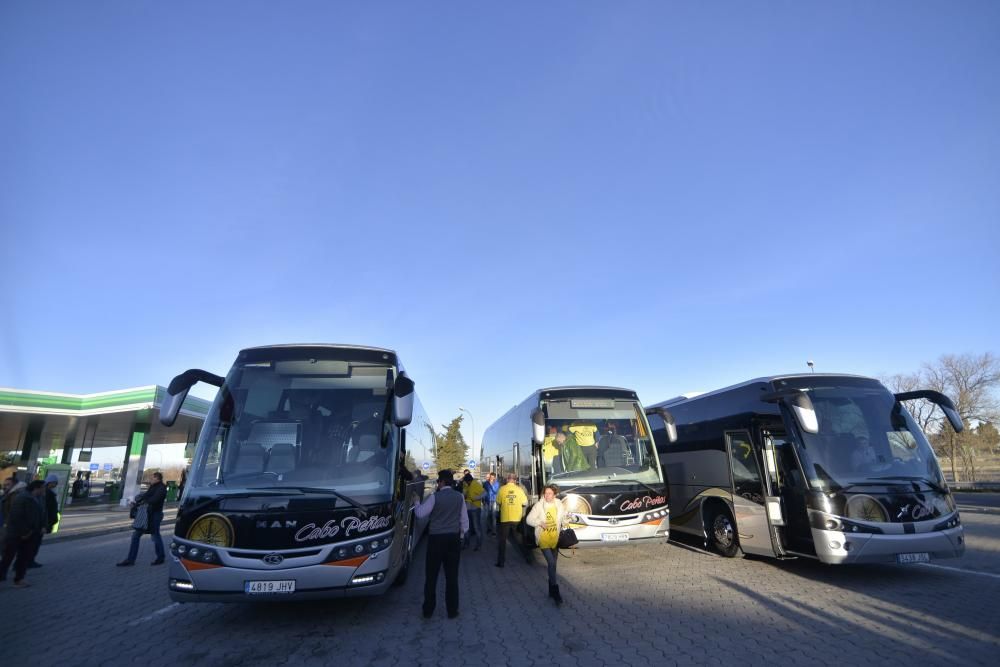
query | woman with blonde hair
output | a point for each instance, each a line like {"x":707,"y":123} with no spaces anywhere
{"x":547,"y":517}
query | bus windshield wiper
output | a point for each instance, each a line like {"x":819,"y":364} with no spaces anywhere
{"x":225,"y":496}
{"x":931,"y":483}
{"x":635,"y":481}
{"x":324,"y":491}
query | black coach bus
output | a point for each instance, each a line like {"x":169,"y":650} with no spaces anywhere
{"x":594,"y":443}
{"x":831,"y":467}
{"x":298,"y":487}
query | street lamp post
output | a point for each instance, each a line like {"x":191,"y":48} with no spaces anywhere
{"x":473,"y":422}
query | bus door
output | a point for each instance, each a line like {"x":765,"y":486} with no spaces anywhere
{"x":749,"y":496}
{"x":790,"y":486}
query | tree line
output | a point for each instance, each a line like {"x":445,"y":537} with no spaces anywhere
{"x":972,"y":381}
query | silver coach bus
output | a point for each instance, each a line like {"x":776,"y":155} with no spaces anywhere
{"x":608,"y":475}
{"x":298,"y":487}
{"x":830,"y":467}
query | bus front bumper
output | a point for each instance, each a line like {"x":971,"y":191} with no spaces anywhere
{"x":836,"y":547}
{"x":311,"y":582}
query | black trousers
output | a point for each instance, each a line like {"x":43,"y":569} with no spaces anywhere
{"x":22,"y":550}
{"x":442,"y":550}
{"x":507,"y":529}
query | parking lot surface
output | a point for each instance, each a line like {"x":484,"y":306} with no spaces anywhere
{"x":655,"y":604}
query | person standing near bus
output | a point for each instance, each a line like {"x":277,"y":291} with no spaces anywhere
{"x":474,"y":493}
{"x":449,"y":521}
{"x":492,"y":486}
{"x":547,"y":517}
{"x":511,"y":499}
{"x":551,"y":450}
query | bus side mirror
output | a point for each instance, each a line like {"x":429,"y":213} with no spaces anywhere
{"x":178,"y":389}
{"x":800,"y":403}
{"x":402,"y":401}
{"x":668,"y":422}
{"x":805,"y":412}
{"x":940,"y":400}
{"x":538,"y":426}
{"x":172,"y":407}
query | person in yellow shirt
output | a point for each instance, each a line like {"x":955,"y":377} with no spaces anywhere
{"x":547,"y":517}
{"x":474,"y":493}
{"x":551,"y":452}
{"x":512,"y":500}
{"x":585,"y":437}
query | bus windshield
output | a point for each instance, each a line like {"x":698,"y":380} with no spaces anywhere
{"x":307,"y":423}
{"x":865,"y":436}
{"x":592,"y":445}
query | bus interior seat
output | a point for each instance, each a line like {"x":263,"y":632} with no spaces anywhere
{"x":250,"y":458}
{"x":282,"y":458}
{"x":614,"y":452}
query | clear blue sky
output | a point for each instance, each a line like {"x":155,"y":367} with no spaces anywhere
{"x":657,"y":195}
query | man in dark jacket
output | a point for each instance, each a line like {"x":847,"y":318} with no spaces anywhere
{"x":50,"y":515}
{"x":153,"y":500}
{"x":24,"y":522}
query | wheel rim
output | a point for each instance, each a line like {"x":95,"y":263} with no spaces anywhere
{"x":723,"y":530}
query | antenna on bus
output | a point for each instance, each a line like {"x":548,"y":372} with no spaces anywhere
{"x":811,"y":365}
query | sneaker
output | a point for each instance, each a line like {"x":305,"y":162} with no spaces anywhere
{"x":158,"y":561}
{"x":125,"y":563}
{"x":455,"y":615}
{"x":34,"y":566}
{"x":21,"y":584}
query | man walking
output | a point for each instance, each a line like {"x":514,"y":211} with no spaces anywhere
{"x":153,"y":499}
{"x":474,"y":493}
{"x":50,"y":507}
{"x":25,"y":522}
{"x":449,"y":521}
{"x":492,"y":487}
{"x":512,"y":501}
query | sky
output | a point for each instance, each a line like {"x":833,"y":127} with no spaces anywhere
{"x":663,"y":196}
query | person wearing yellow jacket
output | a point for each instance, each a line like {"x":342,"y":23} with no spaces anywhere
{"x":474,"y":493}
{"x":511,"y":499}
{"x":547,"y":517}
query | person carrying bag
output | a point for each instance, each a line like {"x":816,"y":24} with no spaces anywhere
{"x":148,"y":508}
{"x":547,"y":517}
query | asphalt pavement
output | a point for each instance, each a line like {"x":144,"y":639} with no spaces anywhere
{"x":652,"y":604}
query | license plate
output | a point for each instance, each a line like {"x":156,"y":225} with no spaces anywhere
{"x":269,"y":587}
{"x":614,"y":537}
{"x":913,"y":558}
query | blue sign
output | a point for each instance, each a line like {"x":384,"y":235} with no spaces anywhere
{"x":426,"y":465}
{"x":472,"y":463}
{"x":95,"y":467}
{"x":108,"y":466}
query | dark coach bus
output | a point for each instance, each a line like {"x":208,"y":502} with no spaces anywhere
{"x":830,"y":467}
{"x":594,"y":443}
{"x":298,"y":487}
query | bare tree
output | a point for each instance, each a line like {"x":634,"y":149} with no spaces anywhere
{"x":971,"y":381}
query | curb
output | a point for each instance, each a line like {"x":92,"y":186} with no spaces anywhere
{"x":100,"y":531}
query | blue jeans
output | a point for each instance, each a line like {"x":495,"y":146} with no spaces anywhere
{"x":154,"y":528}
{"x":489,"y":517}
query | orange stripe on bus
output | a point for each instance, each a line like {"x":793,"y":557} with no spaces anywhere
{"x":350,"y":562}
{"x":195,"y":565}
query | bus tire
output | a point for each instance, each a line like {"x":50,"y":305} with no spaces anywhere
{"x":722,"y":532}
{"x":404,"y":571}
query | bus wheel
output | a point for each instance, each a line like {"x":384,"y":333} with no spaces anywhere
{"x":404,"y":571}
{"x":723,"y":534}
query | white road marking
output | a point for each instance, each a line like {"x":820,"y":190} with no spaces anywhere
{"x":150,"y":617}
{"x":958,"y":569}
